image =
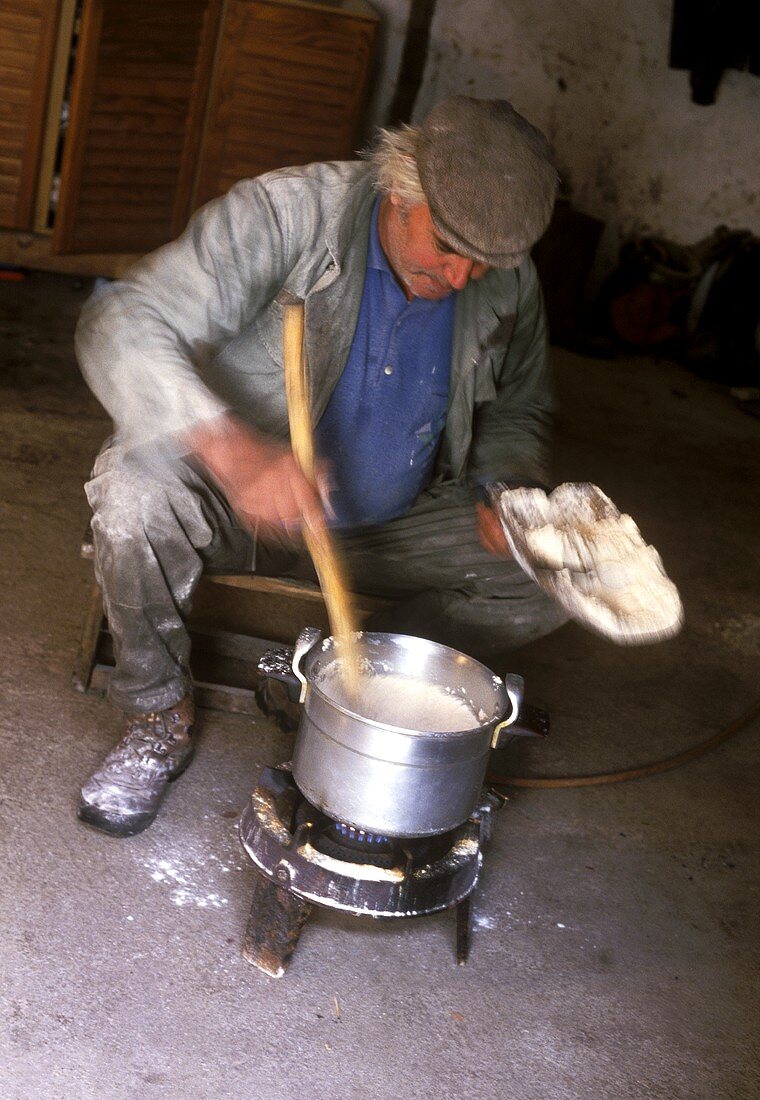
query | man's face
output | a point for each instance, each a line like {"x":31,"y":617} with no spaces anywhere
{"x":422,"y":262}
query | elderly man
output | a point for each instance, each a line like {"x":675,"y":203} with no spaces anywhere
{"x":427,"y":353}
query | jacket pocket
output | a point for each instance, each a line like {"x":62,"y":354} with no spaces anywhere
{"x":256,"y":350}
{"x":246,"y":375}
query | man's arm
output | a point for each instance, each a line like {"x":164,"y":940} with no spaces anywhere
{"x":512,"y":433}
{"x":140,"y":340}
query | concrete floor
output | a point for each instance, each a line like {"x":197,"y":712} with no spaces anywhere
{"x":615,"y":951}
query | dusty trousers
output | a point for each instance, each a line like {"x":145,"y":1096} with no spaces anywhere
{"x":158,"y":523}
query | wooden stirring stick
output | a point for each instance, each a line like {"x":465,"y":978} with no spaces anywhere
{"x":327,"y":562}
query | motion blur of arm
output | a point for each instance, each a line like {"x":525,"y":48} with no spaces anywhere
{"x":260,"y":477}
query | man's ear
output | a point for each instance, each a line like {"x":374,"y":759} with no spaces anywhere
{"x":402,"y":207}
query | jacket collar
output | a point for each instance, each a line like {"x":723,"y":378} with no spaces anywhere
{"x":333,"y":302}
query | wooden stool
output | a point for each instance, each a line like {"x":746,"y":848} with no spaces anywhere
{"x":236,"y":617}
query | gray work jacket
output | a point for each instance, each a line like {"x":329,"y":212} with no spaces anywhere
{"x":194,"y":329}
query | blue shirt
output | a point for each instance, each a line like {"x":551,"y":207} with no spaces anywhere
{"x":382,"y":425}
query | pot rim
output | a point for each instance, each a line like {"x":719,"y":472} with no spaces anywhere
{"x":496,"y":680}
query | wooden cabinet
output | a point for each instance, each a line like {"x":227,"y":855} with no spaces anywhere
{"x":290,"y":88}
{"x":168,"y":103}
{"x":27,"y":37}
{"x":141,"y":79}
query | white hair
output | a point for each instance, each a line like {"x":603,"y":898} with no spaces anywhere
{"x":394,"y":159}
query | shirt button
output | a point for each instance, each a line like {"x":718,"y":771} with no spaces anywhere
{"x":388,"y":369}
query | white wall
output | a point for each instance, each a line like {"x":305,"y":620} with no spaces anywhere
{"x":631,"y":146}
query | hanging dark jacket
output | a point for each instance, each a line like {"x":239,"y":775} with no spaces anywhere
{"x":709,"y":36}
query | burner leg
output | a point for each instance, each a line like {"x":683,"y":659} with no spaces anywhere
{"x":274,"y":925}
{"x":464,"y":929}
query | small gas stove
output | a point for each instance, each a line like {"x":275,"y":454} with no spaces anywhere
{"x":305,"y":858}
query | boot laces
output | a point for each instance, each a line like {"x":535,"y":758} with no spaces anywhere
{"x":152,"y":731}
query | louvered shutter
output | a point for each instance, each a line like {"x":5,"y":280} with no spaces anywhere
{"x":290,"y":88}
{"x":27,"y":38}
{"x":140,"y":88}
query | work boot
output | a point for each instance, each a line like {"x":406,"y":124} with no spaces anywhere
{"x":124,"y":794}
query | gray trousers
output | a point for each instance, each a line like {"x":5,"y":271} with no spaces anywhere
{"x":158,"y":525}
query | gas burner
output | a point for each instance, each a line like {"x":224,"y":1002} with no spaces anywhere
{"x":304,"y":857}
{"x":342,"y":841}
{"x":350,"y":844}
{"x":358,"y":839}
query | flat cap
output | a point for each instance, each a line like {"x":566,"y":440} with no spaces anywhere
{"x":488,"y":178}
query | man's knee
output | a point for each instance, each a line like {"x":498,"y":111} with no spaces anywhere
{"x":511,"y":597}
{"x":130,"y":502}
{"x":491,"y":628}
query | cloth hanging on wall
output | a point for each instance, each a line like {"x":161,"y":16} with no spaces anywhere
{"x":709,"y":36}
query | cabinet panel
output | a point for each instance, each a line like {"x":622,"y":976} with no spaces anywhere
{"x":27,"y":37}
{"x":290,"y":86}
{"x":140,"y":88}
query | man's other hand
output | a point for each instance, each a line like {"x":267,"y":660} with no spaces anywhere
{"x":490,"y":531}
{"x":260,"y":477}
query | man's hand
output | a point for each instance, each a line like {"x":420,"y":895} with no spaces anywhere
{"x":261,"y":479}
{"x":490,"y":531}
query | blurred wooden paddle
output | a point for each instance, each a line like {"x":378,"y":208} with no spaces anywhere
{"x":327,"y":562}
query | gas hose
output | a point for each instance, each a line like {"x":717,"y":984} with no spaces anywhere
{"x":547,"y":781}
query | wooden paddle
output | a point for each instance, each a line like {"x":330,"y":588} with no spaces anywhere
{"x":327,"y":561}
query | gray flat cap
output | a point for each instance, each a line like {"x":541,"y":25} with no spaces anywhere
{"x":488,"y":178}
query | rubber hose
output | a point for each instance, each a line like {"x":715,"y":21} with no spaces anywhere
{"x":654,"y":768}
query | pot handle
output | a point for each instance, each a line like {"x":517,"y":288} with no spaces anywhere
{"x":527,"y":721}
{"x":515,"y":686}
{"x":306,"y":640}
{"x":277,"y":664}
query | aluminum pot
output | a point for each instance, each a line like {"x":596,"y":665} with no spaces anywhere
{"x":391,"y":779}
